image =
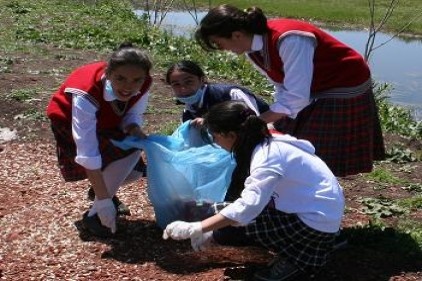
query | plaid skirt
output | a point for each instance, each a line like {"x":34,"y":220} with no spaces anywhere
{"x":346,"y":132}
{"x":66,"y":151}
{"x":289,"y":237}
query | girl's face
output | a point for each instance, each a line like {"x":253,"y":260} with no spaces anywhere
{"x":126,"y":81}
{"x":226,"y":141}
{"x":184,"y":84}
{"x":239,"y":43}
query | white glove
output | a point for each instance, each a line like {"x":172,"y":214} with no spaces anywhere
{"x":107,"y":212}
{"x":202,"y":242}
{"x":180,"y":230}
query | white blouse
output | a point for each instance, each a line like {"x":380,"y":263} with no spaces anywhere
{"x":287,"y":171}
{"x":84,"y":127}
{"x":297,"y":53}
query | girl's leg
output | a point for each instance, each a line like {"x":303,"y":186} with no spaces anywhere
{"x":116,"y":173}
{"x":302,"y":248}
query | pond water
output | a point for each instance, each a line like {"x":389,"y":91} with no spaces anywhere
{"x":398,"y":62}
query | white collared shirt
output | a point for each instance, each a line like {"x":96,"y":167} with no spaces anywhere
{"x":84,"y":127}
{"x":235,"y":94}
{"x":288,"y":172}
{"x":297,"y":54}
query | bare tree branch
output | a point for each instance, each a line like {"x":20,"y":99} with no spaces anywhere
{"x":398,"y":32}
{"x":373,"y":31}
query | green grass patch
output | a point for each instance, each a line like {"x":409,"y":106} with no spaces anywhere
{"x":384,"y":176}
{"x":169,"y":127}
{"x":35,"y":114}
{"x":413,"y":229}
{"x":411,"y":203}
{"x":23,"y":95}
{"x":6,"y":64}
{"x":338,"y":12}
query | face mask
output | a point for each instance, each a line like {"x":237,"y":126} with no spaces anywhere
{"x":192,"y":99}
{"x":109,"y":89}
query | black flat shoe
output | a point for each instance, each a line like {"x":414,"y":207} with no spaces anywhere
{"x":122,"y":208}
{"x":94,"y":226}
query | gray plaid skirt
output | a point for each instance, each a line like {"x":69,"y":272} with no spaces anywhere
{"x":289,"y":237}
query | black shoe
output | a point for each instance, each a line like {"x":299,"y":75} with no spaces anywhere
{"x":279,"y":270}
{"x":94,"y":226}
{"x":91,"y":194}
{"x":122,"y":208}
{"x":340,"y":242}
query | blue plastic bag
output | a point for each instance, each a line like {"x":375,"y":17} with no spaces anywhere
{"x":182,"y":170}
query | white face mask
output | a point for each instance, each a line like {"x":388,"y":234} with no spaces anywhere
{"x":192,"y":99}
{"x":109,"y":89}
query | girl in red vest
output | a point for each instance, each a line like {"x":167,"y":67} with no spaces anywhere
{"x":99,"y":102}
{"x":323,"y":88}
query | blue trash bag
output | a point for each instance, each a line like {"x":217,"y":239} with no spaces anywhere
{"x":182,"y":171}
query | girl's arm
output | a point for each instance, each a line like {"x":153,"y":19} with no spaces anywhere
{"x":297,"y":54}
{"x":134,"y":118}
{"x":84,"y":130}
{"x":216,"y":222}
{"x":238,"y":94}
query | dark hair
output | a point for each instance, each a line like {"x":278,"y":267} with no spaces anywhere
{"x":128,"y":54}
{"x":185,"y":66}
{"x":223,"y":20}
{"x":235,"y":116}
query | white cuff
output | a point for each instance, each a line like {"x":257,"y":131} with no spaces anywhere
{"x":90,"y":163}
{"x":279,"y":108}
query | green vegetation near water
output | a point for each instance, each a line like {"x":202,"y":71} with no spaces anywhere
{"x":354,"y":13}
{"x":103,"y":25}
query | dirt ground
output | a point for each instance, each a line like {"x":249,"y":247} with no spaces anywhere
{"x":40,"y":215}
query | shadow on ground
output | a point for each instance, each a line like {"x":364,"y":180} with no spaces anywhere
{"x":369,"y":251}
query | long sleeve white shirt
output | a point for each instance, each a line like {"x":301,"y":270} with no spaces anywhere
{"x":297,"y":53}
{"x":84,"y":127}
{"x":235,"y":94}
{"x":287,"y":171}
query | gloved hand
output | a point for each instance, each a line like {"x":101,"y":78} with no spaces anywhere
{"x":107,"y":212}
{"x":202,"y":242}
{"x":180,"y":230}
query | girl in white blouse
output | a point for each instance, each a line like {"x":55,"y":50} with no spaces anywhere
{"x":98,"y":102}
{"x":288,"y":200}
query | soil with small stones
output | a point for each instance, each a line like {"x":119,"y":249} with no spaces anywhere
{"x":41,"y":237}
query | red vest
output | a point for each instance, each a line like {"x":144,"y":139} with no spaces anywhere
{"x":89,"y":80}
{"x":335,"y":64}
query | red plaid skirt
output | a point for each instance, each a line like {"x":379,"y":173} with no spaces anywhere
{"x":66,"y":151}
{"x":346,"y":132}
